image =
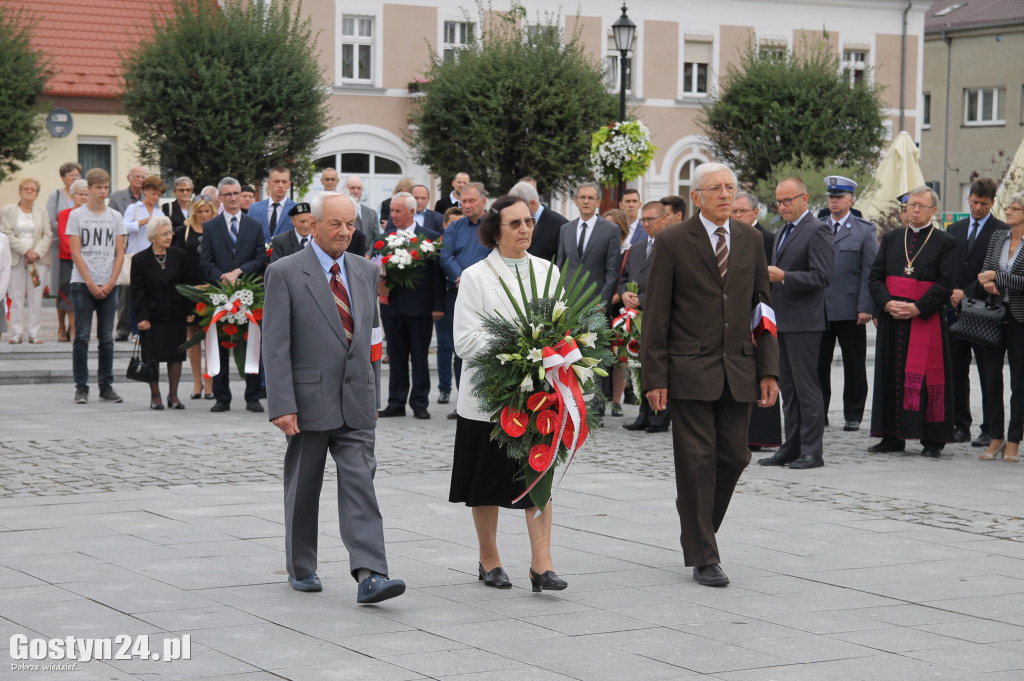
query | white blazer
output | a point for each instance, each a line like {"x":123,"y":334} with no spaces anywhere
{"x":5,"y":279}
{"x":481,"y":293}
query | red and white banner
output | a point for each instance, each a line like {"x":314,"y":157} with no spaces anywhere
{"x":762,"y":319}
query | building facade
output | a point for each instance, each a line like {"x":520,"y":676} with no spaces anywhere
{"x":973,"y":97}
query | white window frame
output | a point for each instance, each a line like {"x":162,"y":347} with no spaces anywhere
{"x":926,"y":110}
{"x":613,"y":77}
{"x":997,"y":94}
{"x":687,"y":59}
{"x":373,"y":41}
{"x":771,"y":46}
{"x":692,"y":161}
{"x":452,"y":48}
{"x":852,"y":65}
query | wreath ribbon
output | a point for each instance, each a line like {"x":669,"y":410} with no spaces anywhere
{"x":252,"y":345}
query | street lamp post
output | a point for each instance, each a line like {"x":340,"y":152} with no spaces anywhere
{"x":623,"y":30}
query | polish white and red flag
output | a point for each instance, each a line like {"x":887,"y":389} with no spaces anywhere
{"x":762,"y":319}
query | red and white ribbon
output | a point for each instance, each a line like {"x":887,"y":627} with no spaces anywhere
{"x":558,"y":362}
{"x":762,"y":319}
{"x":625,"y":320}
{"x":252,"y":344}
{"x":376,"y":344}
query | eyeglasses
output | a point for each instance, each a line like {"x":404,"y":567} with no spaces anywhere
{"x":1015,"y":209}
{"x":648,"y":221}
{"x":920,"y":206}
{"x":517,"y":223}
{"x":719,"y":189}
{"x":183,"y":189}
{"x":786,"y":202}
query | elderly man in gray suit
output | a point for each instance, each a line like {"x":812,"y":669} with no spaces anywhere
{"x":801,"y":271}
{"x":321,"y":349}
{"x":367,"y":221}
{"x":592,"y":244}
{"x":848,"y":301}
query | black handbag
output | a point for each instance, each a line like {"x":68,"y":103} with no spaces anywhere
{"x":144,"y":371}
{"x":980,"y":321}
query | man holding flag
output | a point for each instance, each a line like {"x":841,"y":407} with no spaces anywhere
{"x":701,"y":357}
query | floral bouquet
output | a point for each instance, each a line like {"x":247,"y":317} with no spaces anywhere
{"x":626,"y":340}
{"x":400,"y":258}
{"x":536,"y":371}
{"x":621,"y":151}
{"x":234,"y":311}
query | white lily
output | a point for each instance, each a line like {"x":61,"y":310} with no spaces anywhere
{"x":527,"y":385}
{"x":559,"y":310}
{"x":537,"y":328}
{"x":535,"y":355}
{"x":583,"y":373}
{"x":504,"y":357}
{"x":587,"y":339}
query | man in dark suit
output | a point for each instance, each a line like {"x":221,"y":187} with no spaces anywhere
{"x":708,"y":275}
{"x":409,"y":317}
{"x":323,"y":378}
{"x":294,"y":240}
{"x":746,"y":208}
{"x":272,"y":212}
{"x":367,"y":221}
{"x":800,"y":273}
{"x":848,"y":303}
{"x":972,"y":236}
{"x":424,"y":217}
{"x":654,"y":217}
{"x":232,"y":246}
{"x":455,"y":197}
{"x":547,"y":223}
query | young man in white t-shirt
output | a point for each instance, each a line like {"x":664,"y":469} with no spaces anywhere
{"x":97,"y":236}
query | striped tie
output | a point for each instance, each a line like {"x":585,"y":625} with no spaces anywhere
{"x":341,"y":300}
{"x":722,"y":252}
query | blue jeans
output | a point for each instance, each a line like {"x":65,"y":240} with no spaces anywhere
{"x":106,"y":312}
{"x":446,"y":346}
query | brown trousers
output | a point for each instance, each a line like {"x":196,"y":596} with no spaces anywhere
{"x":710,"y":446}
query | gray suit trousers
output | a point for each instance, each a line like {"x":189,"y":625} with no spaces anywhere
{"x":802,"y":402}
{"x":362,"y":528}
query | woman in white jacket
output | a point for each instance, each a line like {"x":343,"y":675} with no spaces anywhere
{"x":483,"y":475}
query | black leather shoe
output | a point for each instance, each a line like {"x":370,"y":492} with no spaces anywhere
{"x":548,"y":581}
{"x":453,"y":416}
{"x":807,"y":462}
{"x":377,"y":588}
{"x":254,"y":407}
{"x":657,"y":429}
{"x":710,"y":575}
{"x":444,"y":398}
{"x":391,"y":411}
{"x":982,"y":440}
{"x":221,"y":406}
{"x":635,"y":426}
{"x":961,"y":435}
{"x":497,"y":577}
{"x":932,"y":452}
{"x":776,"y":460}
{"x":851,"y":426}
{"x":421,"y":413}
{"x":309,"y":583}
{"x":887,"y":446}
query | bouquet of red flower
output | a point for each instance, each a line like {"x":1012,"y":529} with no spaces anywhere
{"x":234,"y":311}
{"x":400,"y":258}
{"x":626,"y":341}
{"x":536,"y":372}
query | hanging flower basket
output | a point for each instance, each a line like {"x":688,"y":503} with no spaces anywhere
{"x":621,"y":151}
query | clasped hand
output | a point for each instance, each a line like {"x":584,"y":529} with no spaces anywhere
{"x":901,"y":310}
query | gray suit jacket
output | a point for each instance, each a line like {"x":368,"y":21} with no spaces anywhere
{"x":121,"y":199}
{"x":638,"y":265}
{"x":601,"y":258}
{"x":312,"y":370}
{"x":807,"y":258}
{"x":856,"y":248}
{"x":367,"y":222}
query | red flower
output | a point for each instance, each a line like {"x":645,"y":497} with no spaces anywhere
{"x":514,"y":422}
{"x":385,"y":259}
{"x":414,"y":240}
{"x":201,"y":309}
{"x":415,"y":255}
{"x":426,"y":241}
{"x":546,"y":422}
{"x":229,"y":329}
{"x":227,"y":344}
{"x":634,"y":347}
{"x":378,"y":245}
{"x":569,"y":430}
{"x":540,"y":457}
{"x":269,"y":251}
{"x":258,"y":314}
{"x":538,"y":401}
{"x":245,"y":336}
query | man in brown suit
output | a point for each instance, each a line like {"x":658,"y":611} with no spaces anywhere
{"x":707,"y":275}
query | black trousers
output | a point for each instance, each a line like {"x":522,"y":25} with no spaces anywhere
{"x":408,"y":343}
{"x":960,"y":352}
{"x":222,"y":381}
{"x":991,"y":364}
{"x":853,"y":344}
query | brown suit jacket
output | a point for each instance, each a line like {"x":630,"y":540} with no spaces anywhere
{"x":696,"y":325}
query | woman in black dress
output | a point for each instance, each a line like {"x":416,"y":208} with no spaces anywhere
{"x":484,"y":477}
{"x":189,"y":238}
{"x":160,"y":310}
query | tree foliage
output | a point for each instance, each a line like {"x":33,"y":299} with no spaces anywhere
{"x":772,"y":110}
{"x":227,"y":91}
{"x":516,"y":101}
{"x":23,"y":75}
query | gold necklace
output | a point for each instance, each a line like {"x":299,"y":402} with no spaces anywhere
{"x":909,"y":269}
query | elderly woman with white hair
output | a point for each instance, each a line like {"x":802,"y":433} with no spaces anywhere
{"x":161,"y":312}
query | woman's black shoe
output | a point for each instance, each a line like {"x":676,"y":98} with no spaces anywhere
{"x":496,"y":578}
{"x":156,"y":405}
{"x":548,"y":581}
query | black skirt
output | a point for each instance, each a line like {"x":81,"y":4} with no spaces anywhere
{"x":482,"y":473}
{"x":161,"y":342}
